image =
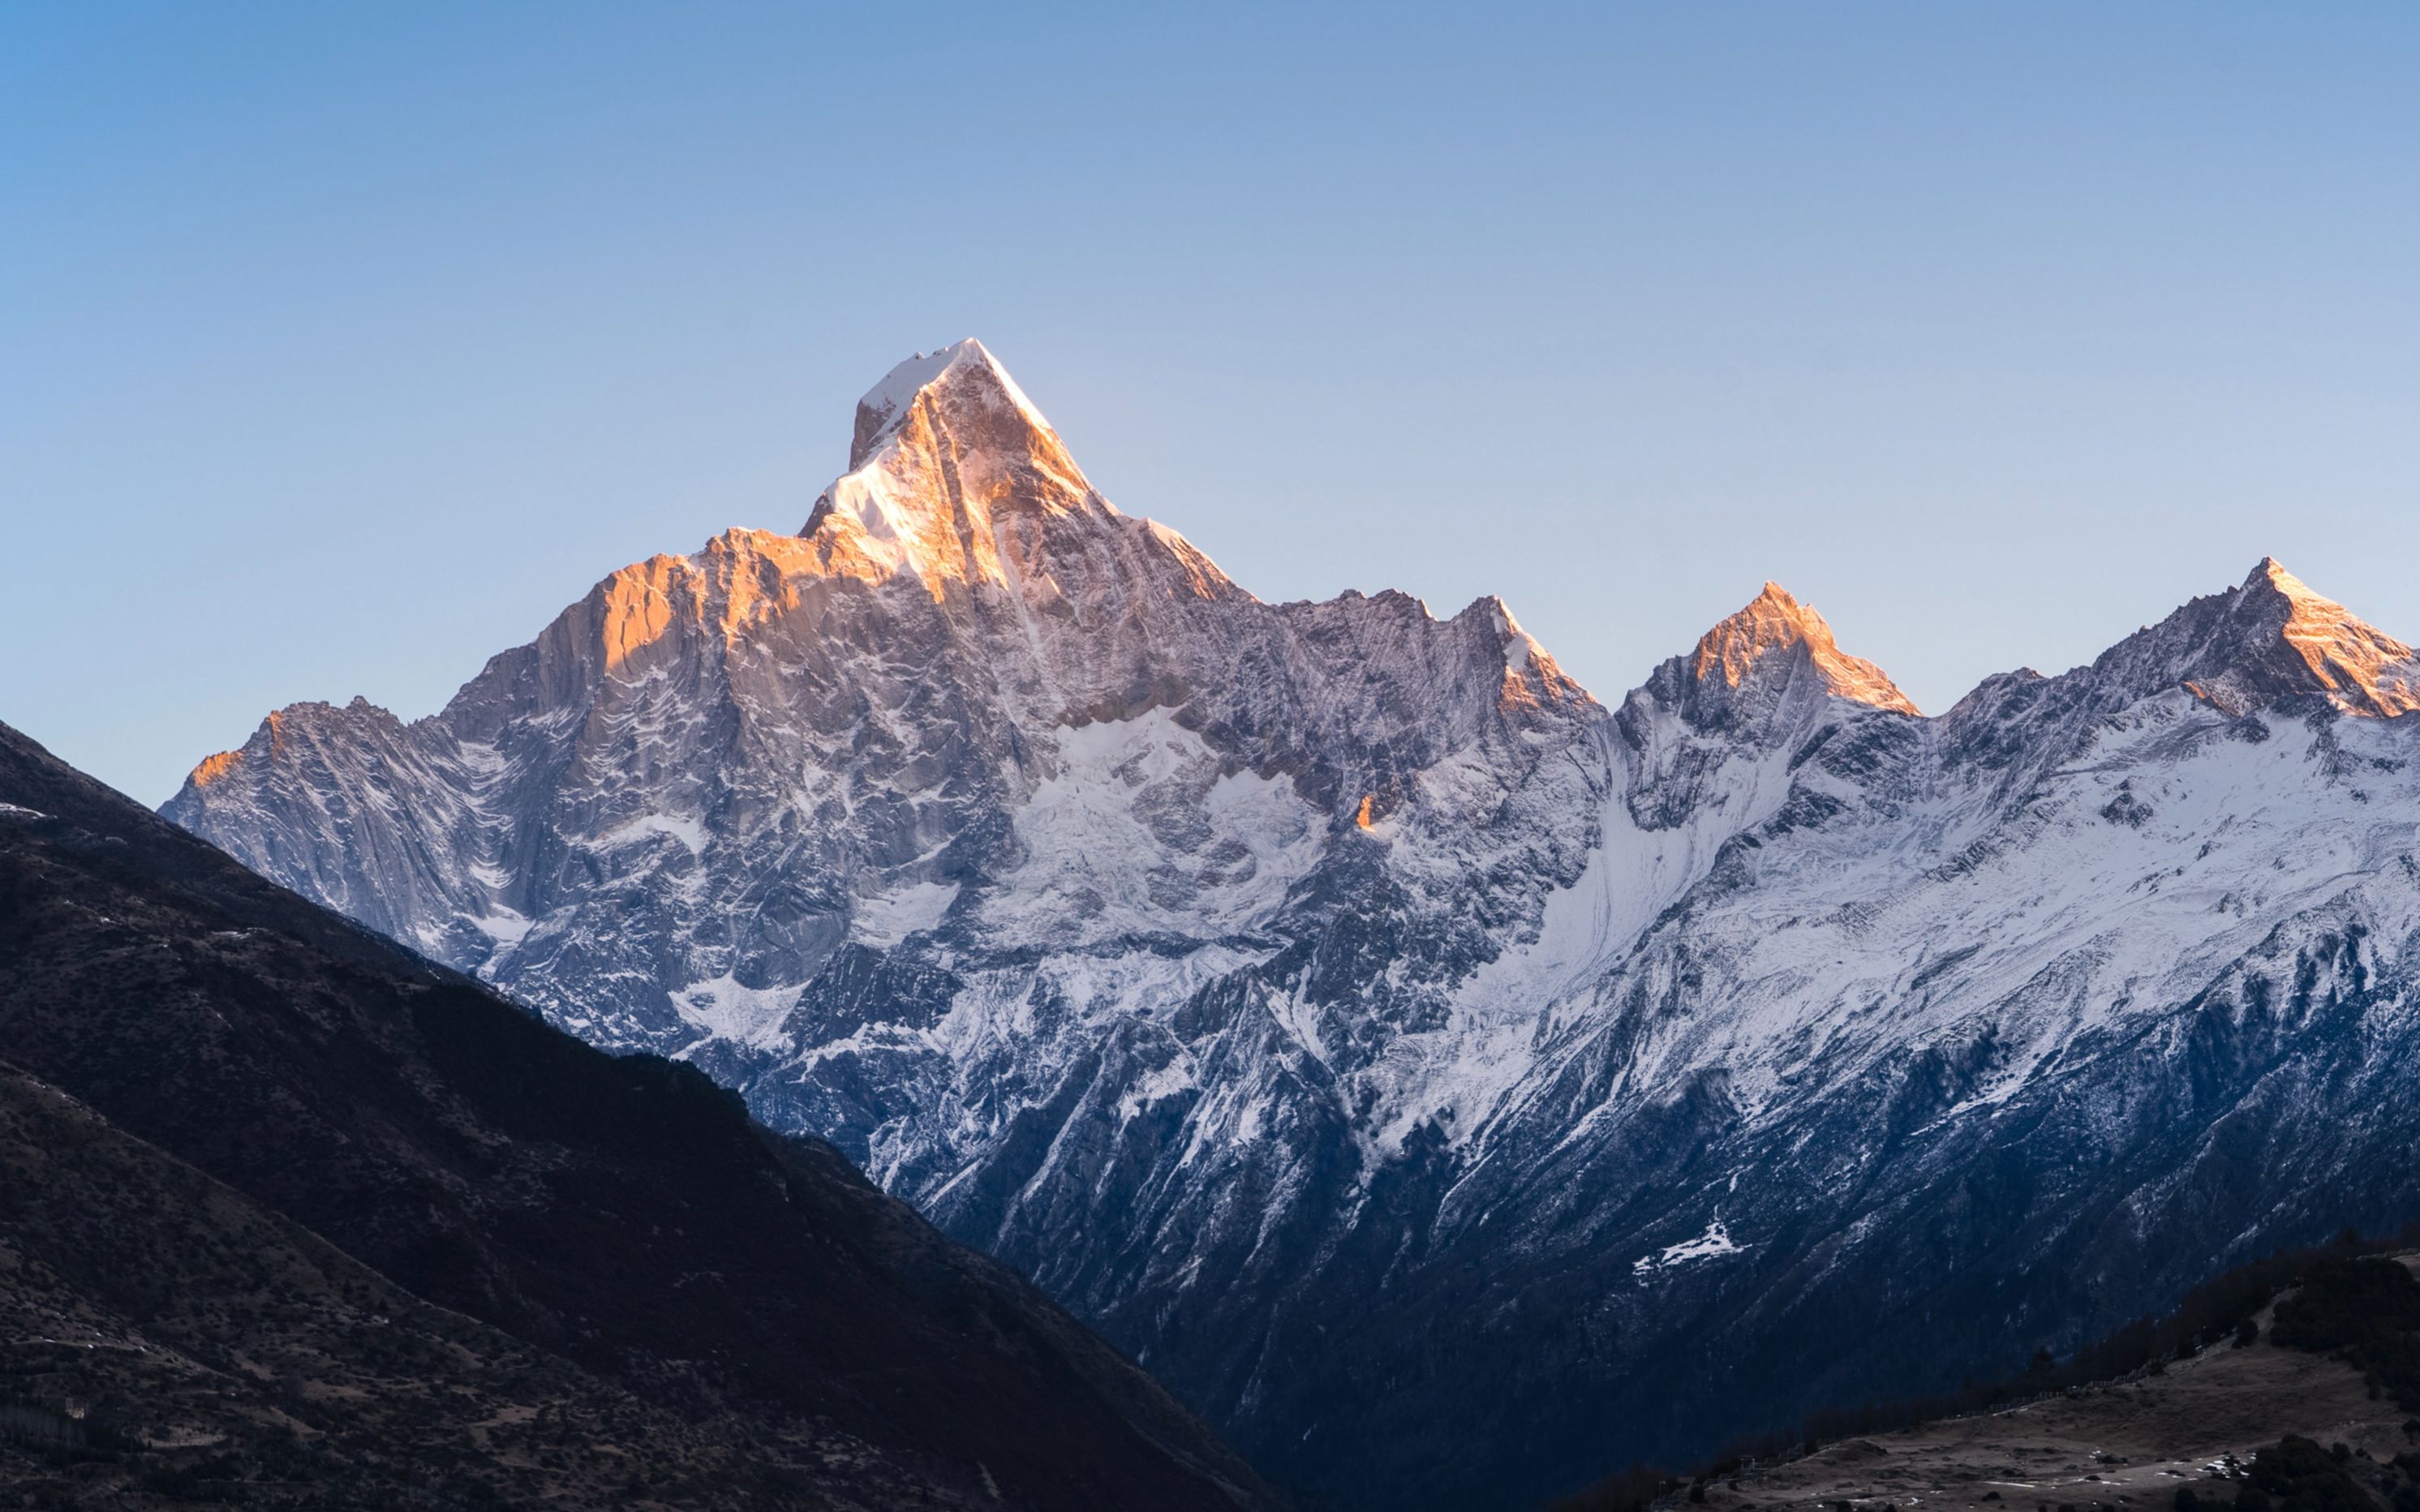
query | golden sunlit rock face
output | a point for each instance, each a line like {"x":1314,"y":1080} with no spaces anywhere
{"x":213,"y":767}
{"x":217,"y":768}
{"x":2271,"y":639}
{"x":957,"y":479}
{"x":875,"y":699}
{"x":637,"y":606}
{"x":961,"y":494}
{"x":2364,"y":670}
{"x":1775,"y":622}
{"x":957,"y":484}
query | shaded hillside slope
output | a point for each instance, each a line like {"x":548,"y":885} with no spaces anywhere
{"x":280,"y":1188}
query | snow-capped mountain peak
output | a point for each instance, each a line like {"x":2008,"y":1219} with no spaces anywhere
{"x":1775,"y":625}
{"x":2364,"y":670}
{"x":955,"y":478}
{"x":1759,"y":682}
{"x":960,"y":371}
{"x":1324,"y":997}
{"x":2268,"y":639}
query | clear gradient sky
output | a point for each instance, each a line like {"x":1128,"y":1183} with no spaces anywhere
{"x":341,"y":345}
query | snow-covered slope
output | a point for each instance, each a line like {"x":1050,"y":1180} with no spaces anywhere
{"x":1449,"y":1085}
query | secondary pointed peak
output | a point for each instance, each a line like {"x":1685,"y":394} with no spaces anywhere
{"x":1774,"y":622}
{"x":2271,"y":638}
{"x":2282,"y":635}
{"x":2269,"y":590}
{"x":2271,"y":573}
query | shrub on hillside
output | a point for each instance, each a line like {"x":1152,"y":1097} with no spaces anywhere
{"x":2349,"y":1302}
{"x":2368,"y":1309}
{"x":2294,"y":1474}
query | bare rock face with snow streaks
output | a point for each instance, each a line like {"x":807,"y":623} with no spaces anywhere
{"x":1451,"y":1086}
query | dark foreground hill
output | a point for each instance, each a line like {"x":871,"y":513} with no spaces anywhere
{"x":289,"y":1216}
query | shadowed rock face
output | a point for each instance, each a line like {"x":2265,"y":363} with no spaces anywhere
{"x":1449,"y":1085}
{"x":286,"y":1192}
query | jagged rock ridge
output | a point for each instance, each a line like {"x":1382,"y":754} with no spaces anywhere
{"x":1451,"y":1086}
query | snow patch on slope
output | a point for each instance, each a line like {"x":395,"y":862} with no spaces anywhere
{"x":1142,"y":829}
{"x":1716,"y":1241}
{"x":725,"y":1008}
{"x":886,"y":918}
{"x":688,"y":830}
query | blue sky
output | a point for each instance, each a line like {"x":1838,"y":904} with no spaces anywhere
{"x":345,"y":345}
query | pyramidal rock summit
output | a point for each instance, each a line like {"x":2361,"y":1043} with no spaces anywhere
{"x":1776,"y":623}
{"x":1451,"y":1086}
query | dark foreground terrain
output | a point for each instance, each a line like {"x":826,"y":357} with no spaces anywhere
{"x":290,"y":1217}
{"x":2309,"y":1403}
